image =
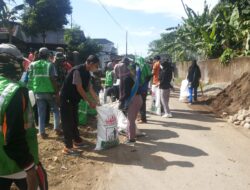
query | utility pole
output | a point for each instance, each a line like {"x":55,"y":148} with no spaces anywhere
{"x":126,"y":43}
{"x":71,"y":20}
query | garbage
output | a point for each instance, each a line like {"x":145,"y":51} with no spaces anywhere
{"x":184,"y":93}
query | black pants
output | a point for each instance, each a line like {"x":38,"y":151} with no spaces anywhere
{"x":69,"y":118}
{"x":143,"y":107}
{"x":5,"y":183}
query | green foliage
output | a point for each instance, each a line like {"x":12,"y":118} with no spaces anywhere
{"x":9,"y":16}
{"x":226,"y":56}
{"x":76,"y":41}
{"x":211,"y":34}
{"x":44,"y":15}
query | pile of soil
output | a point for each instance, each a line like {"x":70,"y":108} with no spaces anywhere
{"x":233,"y":98}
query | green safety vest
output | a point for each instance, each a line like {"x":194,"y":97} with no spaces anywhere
{"x":39,"y":77}
{"x":108,"y":79}
{"x":7,"y":91}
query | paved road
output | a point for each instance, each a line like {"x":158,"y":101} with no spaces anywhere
{"x":192,"y":151}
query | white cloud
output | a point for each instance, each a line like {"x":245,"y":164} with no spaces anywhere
{"x":145,"y":32}
{"x":167,"y":7}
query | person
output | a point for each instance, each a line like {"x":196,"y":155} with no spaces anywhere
{"x":133,"y":100}
{"x":194,"y":75}
{"x":155,"y":85}
{"x":165,"y":78}
{"x":144,"y":82}
{"x":122,"y":72}
{"x":62,"y":68}
{"x":75,"y":87}
{"x":42,"y":81}
{"x":109,"y":79}
{"x":18,"y":140}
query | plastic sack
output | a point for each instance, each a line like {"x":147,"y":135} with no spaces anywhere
{"x":32,"y":98}
{"x":107,"y":131}
{"x":91,"y":111}
{"x":101,"y":97}
{"x":82,"y":112}
{"x":184,"y":92}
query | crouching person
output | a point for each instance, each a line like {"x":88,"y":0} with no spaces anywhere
{"x":18,"y":136}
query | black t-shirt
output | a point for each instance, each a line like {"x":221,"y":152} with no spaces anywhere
{"x":69,"y":91}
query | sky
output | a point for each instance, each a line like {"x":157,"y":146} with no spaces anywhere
{"x":144,"y":20}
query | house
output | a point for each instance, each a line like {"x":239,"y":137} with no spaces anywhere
{"x":107,"y":53}
{"x":24,"y":42}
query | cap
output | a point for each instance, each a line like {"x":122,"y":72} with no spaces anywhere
{"x":43,"y":51}
{"x":11,"y":50}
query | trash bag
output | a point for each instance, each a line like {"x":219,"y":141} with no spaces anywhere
{"x":107,"y":130}
{"x":82,"y":113}
{"x":91,"y":111}
{"x":184,"y":92}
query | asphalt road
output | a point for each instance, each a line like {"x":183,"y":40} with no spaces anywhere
{"x":191,"y":151}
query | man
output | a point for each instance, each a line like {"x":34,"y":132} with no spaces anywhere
{"x":62,"y":68}
{"x":42,"y":81}
{"x":155,"y":85}
{"x":194,"y":75}
{"x":18,"y":141}
{"x":74,"y":88}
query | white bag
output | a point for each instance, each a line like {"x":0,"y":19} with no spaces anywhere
{"x":184,"y":93}
{"x":107,"y":131}
{"x":122,"y":120}
{"x":101,"y":97}
{"x":32,"y":98}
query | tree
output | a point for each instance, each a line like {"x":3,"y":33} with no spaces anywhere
{"x":76,"y":41}
{"x":8,"y":16}
{"x":41,"y":16}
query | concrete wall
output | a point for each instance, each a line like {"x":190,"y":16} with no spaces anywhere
{"x":212,"y":71}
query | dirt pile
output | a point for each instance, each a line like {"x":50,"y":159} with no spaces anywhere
{"x":235,"y":97}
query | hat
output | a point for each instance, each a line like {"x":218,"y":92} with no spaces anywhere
{"x":10,"y":61}
{"x":59,"y":55}
{"x":126,"y":60}
{"x":43,"y":51}
{"x":11,"y":50}
{"x":110,"y":65}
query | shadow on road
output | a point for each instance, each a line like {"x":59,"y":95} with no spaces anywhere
{"x":147,"y":152}
{"x":176,"y":125}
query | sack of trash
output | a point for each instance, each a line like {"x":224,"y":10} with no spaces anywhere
{"x":107,"y":130}
{"x":184,"y":93}
{"x":82,"y":112}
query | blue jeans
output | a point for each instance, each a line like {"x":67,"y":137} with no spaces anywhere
{"x":191,"y":90}
{"x":42,"y":100}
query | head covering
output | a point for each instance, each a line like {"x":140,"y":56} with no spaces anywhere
{"x":10,"y":62}
{"x":110,"y":65}
{"x":126,"y":60}
{"x":59,"y":56}
{"x":43,"y":51}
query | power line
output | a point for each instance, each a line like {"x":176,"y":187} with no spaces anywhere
{"x":114,"y":20}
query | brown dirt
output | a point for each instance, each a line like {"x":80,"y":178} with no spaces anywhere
{"x":70,"y":172}
{"x":235,"y":97}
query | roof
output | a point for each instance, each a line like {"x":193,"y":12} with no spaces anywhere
{"x":102,"y":41}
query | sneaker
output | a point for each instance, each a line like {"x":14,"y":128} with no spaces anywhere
{"x":141,"y":134}
{"x":130,"y":141}
{"x":70,"y":151}
{"x":167,"y":115}
{"x":142,"y":121}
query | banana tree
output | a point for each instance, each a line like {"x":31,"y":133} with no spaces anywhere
{"x":8,"y":16}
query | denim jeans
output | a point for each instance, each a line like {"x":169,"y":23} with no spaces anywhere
{"x":42,"y":100}
{"x":191,"y":90}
